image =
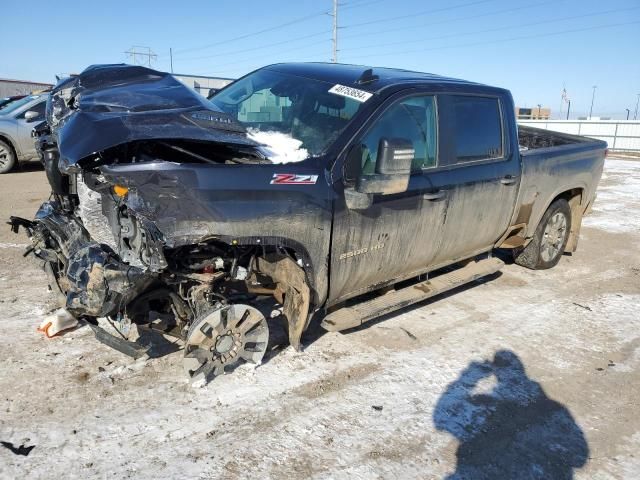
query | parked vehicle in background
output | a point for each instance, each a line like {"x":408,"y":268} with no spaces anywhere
{"x":7,"y":100}
{"x":17,"y":120}
{"x":184,"y":216}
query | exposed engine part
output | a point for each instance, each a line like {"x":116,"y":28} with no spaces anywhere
{"x":223,"y":338}
{"x":89,"y":277}
{"x":240,"y":273}
{"x":90,"y":212}
{"x":163,"y":310}
{"x":140,"y":243}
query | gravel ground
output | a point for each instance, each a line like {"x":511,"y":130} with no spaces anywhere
{"x":530,"y":374}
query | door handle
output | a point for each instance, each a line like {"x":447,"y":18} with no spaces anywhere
{"x":433,"y":195}
{"x":508,"y":180}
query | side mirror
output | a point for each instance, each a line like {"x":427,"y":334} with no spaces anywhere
{"x":31,"y":115}
{"x":393,"y":168}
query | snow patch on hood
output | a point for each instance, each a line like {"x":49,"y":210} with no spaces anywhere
{"x":279,"y":147}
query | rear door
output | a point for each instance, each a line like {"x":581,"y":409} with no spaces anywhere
{"x":479,"y":173}
{"x":398,"y":236}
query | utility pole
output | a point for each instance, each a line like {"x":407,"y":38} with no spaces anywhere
{"x":539,"y":107}
{"x":334,"y":59}
{"x":171,"y":58}
{"x":138,"y":51}
{"x":635,"y":115}
{"x":568,"y":108}
{"x":593,"y":95}
{"x":628,"y":112}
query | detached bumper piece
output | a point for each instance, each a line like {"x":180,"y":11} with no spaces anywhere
{"x":90,"y":276}
{"x":131,"y":349}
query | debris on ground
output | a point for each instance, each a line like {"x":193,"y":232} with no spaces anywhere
{"x":58,"y":322}
{"x":21,"y":450}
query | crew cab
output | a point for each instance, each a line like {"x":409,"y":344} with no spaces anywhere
{"x":340,"y":192}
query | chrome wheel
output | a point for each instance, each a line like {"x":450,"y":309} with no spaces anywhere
{"x":224,"y":338}
{"x":553,"y":237}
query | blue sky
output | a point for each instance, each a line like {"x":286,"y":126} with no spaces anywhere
{"x":532,"y":47}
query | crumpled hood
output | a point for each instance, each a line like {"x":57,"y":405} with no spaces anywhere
{"x":109,"y":105}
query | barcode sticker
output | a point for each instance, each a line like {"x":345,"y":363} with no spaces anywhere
{"x":350,"y":92}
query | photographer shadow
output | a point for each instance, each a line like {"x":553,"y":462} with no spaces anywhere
{"x":513,"y":431}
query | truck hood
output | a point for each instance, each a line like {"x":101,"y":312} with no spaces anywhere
{"x":110,"y":105}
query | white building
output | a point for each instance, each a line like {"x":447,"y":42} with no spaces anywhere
{"x":202,"y":84}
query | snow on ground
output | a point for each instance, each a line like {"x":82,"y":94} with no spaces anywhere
{"x":616,"y":197}
{"x":530,"y":374}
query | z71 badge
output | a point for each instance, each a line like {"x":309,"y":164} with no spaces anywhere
{"x":293,"y":179}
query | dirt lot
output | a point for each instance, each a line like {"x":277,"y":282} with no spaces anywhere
{"x":527,"y":375}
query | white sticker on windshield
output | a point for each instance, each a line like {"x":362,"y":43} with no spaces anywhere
{"x":359,"y":95}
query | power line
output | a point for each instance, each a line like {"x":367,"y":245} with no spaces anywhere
{"x":452,"y":20}
{"x":501,"y":40}
{"x":289,"y":40}
{"x":358,"y":4}
{"x":417,"y":14}
{"x":510,"y":27}
{"x":261,"y":57}
{"x":300,"y":19}
{"x":259,"y":32}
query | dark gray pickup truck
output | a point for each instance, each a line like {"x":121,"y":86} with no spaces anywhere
{"x":328,"y":192}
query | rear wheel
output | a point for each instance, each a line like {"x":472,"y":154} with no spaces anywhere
{"x":548,"y":243}
{"x":7,"y":157}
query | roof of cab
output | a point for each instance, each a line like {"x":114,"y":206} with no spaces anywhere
{"x":346,"y":74}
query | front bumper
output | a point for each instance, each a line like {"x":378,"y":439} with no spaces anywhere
{"x":90,"y":277}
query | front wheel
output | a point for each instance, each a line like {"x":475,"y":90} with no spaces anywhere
{"x":7,"y":157}
{"x":223,"y":338}
{"x":550,"y":239}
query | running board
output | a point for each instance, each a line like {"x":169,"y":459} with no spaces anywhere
{"x":356,"y":315}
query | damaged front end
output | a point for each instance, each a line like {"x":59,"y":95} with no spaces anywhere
{"x":136,"y":230}
{"x":90,"y":277}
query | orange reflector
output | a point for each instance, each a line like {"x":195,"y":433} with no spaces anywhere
{"x":120,"y":191}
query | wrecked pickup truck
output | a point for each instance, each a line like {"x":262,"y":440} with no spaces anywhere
{"x":337,"y":190}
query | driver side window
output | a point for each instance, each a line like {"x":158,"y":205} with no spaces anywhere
{"x":412,"y":119}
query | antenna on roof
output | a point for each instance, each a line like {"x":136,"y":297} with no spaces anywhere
{"x":367,"y":77}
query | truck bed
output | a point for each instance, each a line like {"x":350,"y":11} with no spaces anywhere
{"x":530,"y":138}
{"x":552,"y":163}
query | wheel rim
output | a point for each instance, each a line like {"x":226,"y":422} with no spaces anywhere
{"x":4,"y":156}
{"x":553,"y":237}
{"x":223,"y":339}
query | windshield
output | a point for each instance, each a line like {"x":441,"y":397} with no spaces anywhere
{"x":295,"y":108}
{"x":12,"y":106}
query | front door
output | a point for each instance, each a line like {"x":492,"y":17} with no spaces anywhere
{"x":398,"y":236}
{"x":25,"y":141}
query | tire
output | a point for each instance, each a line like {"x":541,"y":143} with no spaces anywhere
{"x":548,"y":243}
{"x":7,"y":157}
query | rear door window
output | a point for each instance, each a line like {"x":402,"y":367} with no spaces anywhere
{"x":475,"y":127}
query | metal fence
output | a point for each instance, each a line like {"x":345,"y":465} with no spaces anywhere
{"x":621,"y":135}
